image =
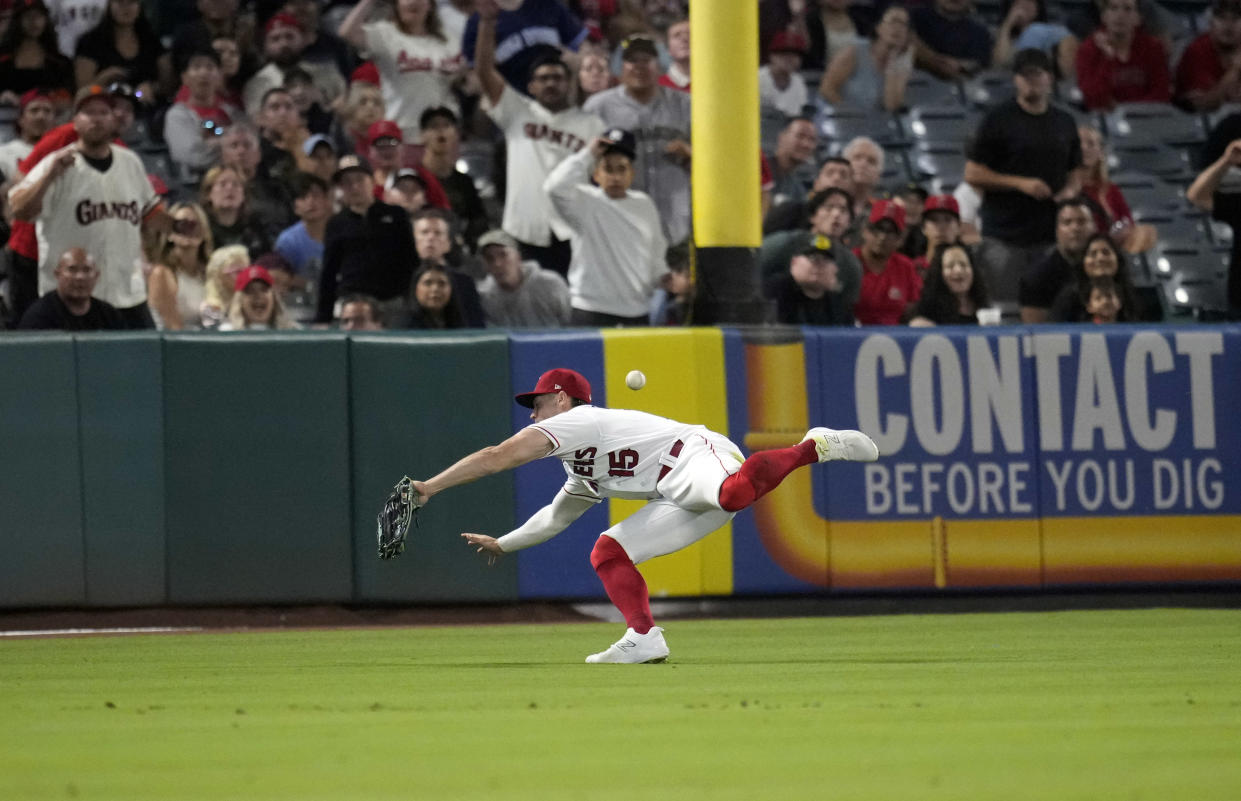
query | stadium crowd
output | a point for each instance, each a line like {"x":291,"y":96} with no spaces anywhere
{"x":414,"y":164}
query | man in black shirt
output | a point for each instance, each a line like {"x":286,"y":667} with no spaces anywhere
{"x":1205,"y":193}
{"x":368,"y":246}
{"x":1025,"y":157}
{"x":70,"y":307}
{"x":1046,"y":277}
{"x":810,"y":292}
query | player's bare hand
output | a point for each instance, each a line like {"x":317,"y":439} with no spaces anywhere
{"x":484,"y":544}
{"x":424,"y":495}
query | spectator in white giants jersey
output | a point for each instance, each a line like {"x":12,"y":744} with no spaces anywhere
{"x":540,"y":131}
{"x":92,"y":195}
{"x":70,"y":306}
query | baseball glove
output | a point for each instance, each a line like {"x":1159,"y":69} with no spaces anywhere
{"x":393,"y":521}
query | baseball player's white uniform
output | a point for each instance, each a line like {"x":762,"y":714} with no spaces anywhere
{"x":538,"y":140}
{"x":100,"y":211}
{"x":620,"y":453}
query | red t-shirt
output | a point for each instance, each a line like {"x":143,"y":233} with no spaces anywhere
{"x":1113,"y":202}
{"x":1199,"y":68}
{"x":1106,"y":81}
{"x":885,"y":296}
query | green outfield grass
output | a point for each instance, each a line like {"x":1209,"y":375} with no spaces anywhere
{"x":1071,"y":705}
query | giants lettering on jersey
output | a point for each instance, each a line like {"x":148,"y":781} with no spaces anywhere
{"x":408,"y":63}
{"x":539,"y":130}
{"x":88,"y":212}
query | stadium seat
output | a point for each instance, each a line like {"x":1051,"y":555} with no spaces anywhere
{"x":8,"y":131}
{"x":940,"y":123}
{"x":1187,"y":260}
{"x":1155,"y":121}
{"x":1137,"y":154}
{"x":1148,"y":192}
{"x":989,"y":88}
{"x":771,"y":122}
{"x":924,"y":89}
{"x":1204,"y":300}
{"x":940,"y":163}
{"x":840,"y":124}
{"x":9,"y":113}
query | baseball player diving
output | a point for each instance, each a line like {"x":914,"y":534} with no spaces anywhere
{"x":693,"y":479}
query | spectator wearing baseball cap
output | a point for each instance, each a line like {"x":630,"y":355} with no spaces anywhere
{"x":780,"y":85}
{"x":517,"y":293}
{"x":284,"y":41}
{"x":809,"y":291}
{"x":660,"y":121}
{"x":912,"y":198}
{"x":1209,"y":71}
{"x":890,"y":283}
{"x":43,"y":66}
{"x":416,"y":62}
{"x":618,"y":251}
{"x":441,"y":150}
{"x":256,"y":306}
{"x":323,"y":155}
{"x":541,"y":127}
{"x":830,"y":214}
{"x":941,"y":225}
{"x":386,"y":141}
{"x":368,"y":246}
{"x":35,"y":117}
{"x":1024,"y":157}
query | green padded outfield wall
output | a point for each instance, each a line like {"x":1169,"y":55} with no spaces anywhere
{"x":41,"y":549}
{"x":419,"y":404}
{"x":121,"y":408}
{"x":256,"y":445}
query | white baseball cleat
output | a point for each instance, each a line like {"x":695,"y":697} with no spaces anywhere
{"x":849,"y":446}
{"x":634,"y":649}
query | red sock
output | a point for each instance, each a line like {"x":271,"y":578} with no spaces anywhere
{"x":624,"y":584}
{"x":762,"y":473}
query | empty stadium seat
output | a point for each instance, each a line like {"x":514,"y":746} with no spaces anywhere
{"x":1205,"y":300}
{"x":989,"y":88}
{"x":939,"y":163}
{"x":840,"y":124}
{"x":924,"y":89}
{"x":1137,"y":154}
{"x":1148,"y":193}
{"x":940,"y":123}
{"x":1155,"y":121}
{"x":1191,"y":261}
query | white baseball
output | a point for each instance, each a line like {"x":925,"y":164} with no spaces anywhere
{"x":635,"y":379}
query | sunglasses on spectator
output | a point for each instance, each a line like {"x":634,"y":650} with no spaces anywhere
{"x":186,"y":227}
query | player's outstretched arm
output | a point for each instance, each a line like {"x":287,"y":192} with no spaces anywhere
{"x":541,"y":527}
{"x":524,"y":446}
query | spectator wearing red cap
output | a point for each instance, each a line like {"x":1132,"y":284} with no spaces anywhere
{"x":364,"y":106}
{"x":890,"y":283}
{"x":780,"y":84}
{"x":256,"y":306}
{"x":385,"y":140}
{"x":283,"y":44}
{"x":124,"y":48}
{"x":417,"y":62}
{"x":30,"y":57}
{"x":34,"y":120}
{"x":941,"y":225}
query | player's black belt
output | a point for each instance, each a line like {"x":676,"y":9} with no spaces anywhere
{"x":673,"y":453}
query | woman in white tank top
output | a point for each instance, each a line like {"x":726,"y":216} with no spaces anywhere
{"x":176,"y":287}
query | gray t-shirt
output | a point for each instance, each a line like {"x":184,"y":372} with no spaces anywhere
{"x":542,"y":300}
{"x":654,"y":125}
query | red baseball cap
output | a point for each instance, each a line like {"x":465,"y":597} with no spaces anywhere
{"x":571,"y":382}
{"x":946,"y":203}
{"x":383,"y":129}
{"x":32,"y":95}
{"x":788,"y":42}
{"x":282,"y":19}
{"x":366,"y":72}
{"x":252,"y":273}
{"x":882,"y":210}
